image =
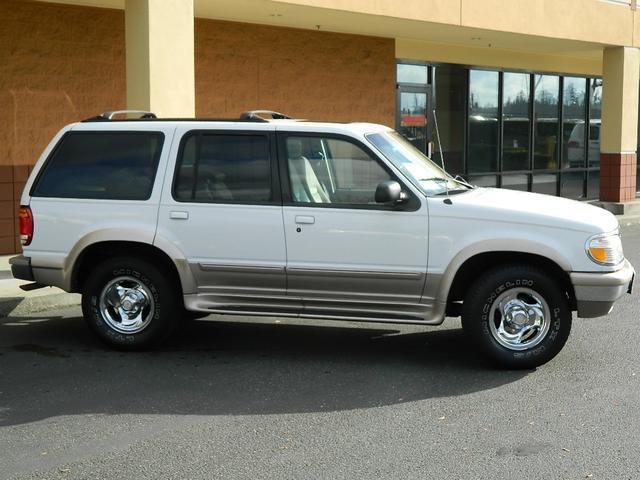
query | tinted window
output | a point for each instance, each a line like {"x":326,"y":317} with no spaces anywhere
{"x":451,"y":95}
{"x":329,"y":170}
{"x":546,"y":98}
{"x":516,"y":118}
{"x":223,"y":168}
{"x":573,"y":138}
{"x":102,"y":165}
{"x":483,"y":121}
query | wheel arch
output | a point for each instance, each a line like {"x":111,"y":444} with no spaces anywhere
{"x":472,"y":267}
{"x":98,"y":251}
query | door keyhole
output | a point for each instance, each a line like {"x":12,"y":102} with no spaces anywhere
{"x":298,"y":229}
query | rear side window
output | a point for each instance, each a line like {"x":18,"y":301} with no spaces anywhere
{"x":219,"y":168}
{"x":102,"y":165}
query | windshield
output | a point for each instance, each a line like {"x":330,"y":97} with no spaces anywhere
{"x":422,"y":172}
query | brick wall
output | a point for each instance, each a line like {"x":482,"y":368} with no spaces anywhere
{"x":63,"y":63}
{"x":303,"y":73}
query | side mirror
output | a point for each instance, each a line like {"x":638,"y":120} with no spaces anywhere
{"x":390,"y":191}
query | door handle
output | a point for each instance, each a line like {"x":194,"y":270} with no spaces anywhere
{"x":179,"y":215}
{"x":305,"y":219}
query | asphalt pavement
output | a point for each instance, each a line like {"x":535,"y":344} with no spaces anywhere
{"x":287,"y":399}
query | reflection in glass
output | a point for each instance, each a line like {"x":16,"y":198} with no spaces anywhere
{"x":515,"y":114}
{"x":483,"y":121}
{"x":546,"y":95}
{"x":412,"y":73}
{"x":546,"y":183}
{"x":572,"y":185}
{"x":450,"y":101}
{"x":484,"y":181}
{"x":593,"y":184}
{"x":413,"y":118}
{"x":573,"y":132}
{"x":516,"y":182}
{"x":595,"y":115}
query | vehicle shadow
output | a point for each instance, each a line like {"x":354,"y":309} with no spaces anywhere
{"x":52,"y":367}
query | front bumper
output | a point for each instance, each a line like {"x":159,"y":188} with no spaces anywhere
{"x":21,"y":267}
{"x":597,"y":292}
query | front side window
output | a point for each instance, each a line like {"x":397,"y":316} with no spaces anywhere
{"x":102,"y":165}
{"x":221,"y":168}
{"x":332,"y":171}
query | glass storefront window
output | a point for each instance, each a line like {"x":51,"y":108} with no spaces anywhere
{"x":484,"y":126}
{"x":572,"y":185}
{"x":516,"y":182}
{"x":573,"y":122}
{"x":450,"y":92}
{"x":515,"y":113}
{"x":518,"y":130}
{"x":546,"y":183}
{"x":413,"y":118}
{"x":484,"y":181}
{"x":593,"y":184}
{"x":595,"y":116}
{"x":546,"y":104}
{"x":412,"y":73}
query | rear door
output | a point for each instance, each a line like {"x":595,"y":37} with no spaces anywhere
{"x":346,"y":254}
{"x":222,"y":209}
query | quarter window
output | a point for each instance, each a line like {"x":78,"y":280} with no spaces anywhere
{"x":330,"y":170}
{"x":222,"y":168}
{"x":102,"y":165}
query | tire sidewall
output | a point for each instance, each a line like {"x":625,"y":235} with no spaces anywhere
{"x":502,"y":281}
{"x":153,"y":279}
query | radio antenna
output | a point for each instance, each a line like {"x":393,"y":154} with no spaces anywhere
{"x":435,"y":121}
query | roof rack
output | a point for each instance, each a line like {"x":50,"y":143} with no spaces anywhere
{"x":110,"y":115}
{"x":258,"y":114}
{"x":250,"y":116}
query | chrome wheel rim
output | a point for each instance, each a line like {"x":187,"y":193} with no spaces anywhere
{"x":126,"y":305}
{"x":519,"y":319}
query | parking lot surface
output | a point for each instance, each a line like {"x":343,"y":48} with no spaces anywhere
{"x":297,"y":399}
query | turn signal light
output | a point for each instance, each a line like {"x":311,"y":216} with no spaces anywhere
{"x":26,"y":225}
{"x":598,"y":253}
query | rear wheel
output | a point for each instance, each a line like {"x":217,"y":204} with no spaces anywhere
{"x":517,"y":315}
{"x":130,"y":303}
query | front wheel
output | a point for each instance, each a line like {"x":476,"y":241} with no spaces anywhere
{"x":517,"y":315}
{"x":130,"y":303}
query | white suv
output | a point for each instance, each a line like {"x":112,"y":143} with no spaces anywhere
{"x":150,"y":217}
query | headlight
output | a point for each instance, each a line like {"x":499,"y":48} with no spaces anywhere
{"x":605,"y":249}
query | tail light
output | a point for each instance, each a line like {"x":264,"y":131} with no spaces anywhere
{"x":26,"y":225}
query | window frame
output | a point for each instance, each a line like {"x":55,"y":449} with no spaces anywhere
{"x":274,"y":180}
{"x":411,"y":205}
{"x":47,"y":163}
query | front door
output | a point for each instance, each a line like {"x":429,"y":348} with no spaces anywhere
{"x":346,"y":254}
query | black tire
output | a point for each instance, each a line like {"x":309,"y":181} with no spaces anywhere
{"x":163,"y":310}
{"x":487,"y":289}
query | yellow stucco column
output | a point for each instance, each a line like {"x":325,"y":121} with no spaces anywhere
{"x":618,"y":138}
{"x":160,"y":58}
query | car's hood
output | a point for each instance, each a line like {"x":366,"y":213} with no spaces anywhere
{"x":533,"y":209}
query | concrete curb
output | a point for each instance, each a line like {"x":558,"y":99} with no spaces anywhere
{"x":16,"y":306}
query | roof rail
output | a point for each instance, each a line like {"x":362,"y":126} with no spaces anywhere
{"x":109,"y":115}
{"x":257,"y":115}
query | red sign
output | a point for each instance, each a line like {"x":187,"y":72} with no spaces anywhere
{"x":413,"y":121}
